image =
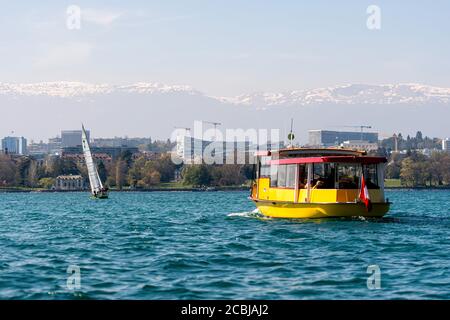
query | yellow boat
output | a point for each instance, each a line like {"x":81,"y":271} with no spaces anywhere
{"x":319,"y":183}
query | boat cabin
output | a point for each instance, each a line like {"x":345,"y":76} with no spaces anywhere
{"x":300,"y":175}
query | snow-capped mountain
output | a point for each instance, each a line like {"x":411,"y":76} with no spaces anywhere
{"x":350,"y":94}
{"x":42,"y":110}
{"x":66,"y":89}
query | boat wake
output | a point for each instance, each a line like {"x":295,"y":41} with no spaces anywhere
{"x":249,"y":214}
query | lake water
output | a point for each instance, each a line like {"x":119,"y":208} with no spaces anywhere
{"x":209,"y":245}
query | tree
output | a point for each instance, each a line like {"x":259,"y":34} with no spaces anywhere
{"x":103,"y":174}
{"x":135,"y":174}
{"x":7,"y":171}
{"x":164,"y":165}
{"x":151,"y":177}
{"x":32,"y":177}
{"x":120,"y":173}
{"x":21,"y":171}
{"x":393,"y":170}
{"x":46,"y":183}
{"x":227,"y":175}
{"x":126,"y":156}
{"x":439,"y":166}
{"x":196,"y":175}
{"x":419,"y":136}
{"x":410,"y":173}
{"x":60,"y":166}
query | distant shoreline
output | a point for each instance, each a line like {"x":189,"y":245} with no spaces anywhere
{"x":209,"y":189}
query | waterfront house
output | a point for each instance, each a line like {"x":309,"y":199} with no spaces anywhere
{"x":69,"y":183}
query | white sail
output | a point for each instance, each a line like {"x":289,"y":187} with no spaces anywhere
{"x":94,"y":178}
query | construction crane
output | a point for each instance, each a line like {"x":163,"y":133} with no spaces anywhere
{"x":188,"y":130}
{"x":361,"y":127}
{"x":215,"y":124}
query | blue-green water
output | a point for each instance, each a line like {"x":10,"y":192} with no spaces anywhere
{"x":208,"y":245}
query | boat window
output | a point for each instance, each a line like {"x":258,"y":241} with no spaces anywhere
{"x":348,"y":176}
{"x":264,"y":171}
{"x":290,"y":176}
{"x":274,"y":176}
{"x":371,"y":177}
{"x":302,"y":176}
{"x":324,"y":176}
{"x":282,"y":176}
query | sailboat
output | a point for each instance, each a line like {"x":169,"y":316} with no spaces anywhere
{"x":97,"y":189}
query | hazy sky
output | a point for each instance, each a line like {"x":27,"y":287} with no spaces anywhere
{"x":226,"y":47}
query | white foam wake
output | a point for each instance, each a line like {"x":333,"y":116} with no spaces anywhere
{"x":248,"y":214}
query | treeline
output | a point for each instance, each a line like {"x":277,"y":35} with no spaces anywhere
{"x":124,"y":172}
{"x":217,"y":175}
{"x":410,"y":143}
{"x":412,"y":167}
{"x":415,"y":169}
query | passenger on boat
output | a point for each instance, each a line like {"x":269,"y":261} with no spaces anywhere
{"x":319,"y":184}
{"x":347,"y":183}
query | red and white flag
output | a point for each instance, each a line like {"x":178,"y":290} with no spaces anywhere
{"x":364,"y":194}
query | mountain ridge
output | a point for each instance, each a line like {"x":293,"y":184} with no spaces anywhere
{"x":351,"y":94}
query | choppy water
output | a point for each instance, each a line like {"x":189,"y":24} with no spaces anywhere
{"x":210,"y":245}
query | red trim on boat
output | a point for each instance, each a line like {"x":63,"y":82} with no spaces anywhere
{"x":341,"y":159}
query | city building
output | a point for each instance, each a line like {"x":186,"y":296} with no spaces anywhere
{"x":113,"y":152}
{"x":120,"y":142}
{"x":360,"y":145}
{"x":327,"y":138}
{"x":446,"y":144}
{"x":41,"y":148}
{"x":193,"y":150}
{"x":78,"y":158}
{"x":69,"y":183}
{"x":14,"y":145}
{"x":72,"y":138}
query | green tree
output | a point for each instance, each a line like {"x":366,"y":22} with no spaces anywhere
{"x":196,"y":175}
{"x":121,"y":168}
{"x":102,"y":172}
{"x":46,"y":183}
{"x":413,"y":173}
{"x":7,"y":171}
{"x":164,"y":165}
{"x":135,"y":174}
{"x":150,"y":178}
{"x":227,"y":175}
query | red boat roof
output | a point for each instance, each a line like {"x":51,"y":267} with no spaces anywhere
{"x":328,"y":159}
{"x":311,"y":152}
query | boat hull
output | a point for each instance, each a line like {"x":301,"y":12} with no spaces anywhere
{"x":102,"y":195}
{"x":319,"y":210}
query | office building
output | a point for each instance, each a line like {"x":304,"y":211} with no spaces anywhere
{"x":327,"y":138}
{"x":72,"y":138}
{"x":360,"y":145}
{"x":446,"y":144}
{"x":14,"y":145}
{"x":120,"y":142}
{"x":113,"y":152}
{"x":193,"y":150}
